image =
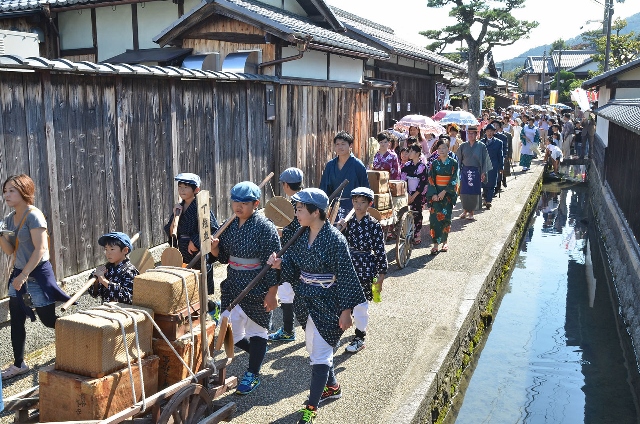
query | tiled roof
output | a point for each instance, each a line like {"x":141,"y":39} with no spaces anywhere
{"x":16,"y":5}
{"x":625,"y":113}
{"x":600,"y":79}
{"x":569,"y":58}
{"x":385,"y":36}
{"x":277,"y":21}
{"x":8,"y":62}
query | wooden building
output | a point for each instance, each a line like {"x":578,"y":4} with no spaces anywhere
{"x":531,"y":77}
{"x":615,"y":188}
{"x":270,"y":84}
{"x":415,"y":70}
{"x":616,"y":147}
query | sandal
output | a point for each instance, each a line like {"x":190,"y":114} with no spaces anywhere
{"x":463,"y":215}
{"x":13,"y":371}
{"x":417,"y":241}
{"x":470,"y":217}
{"x":445,"y":248}
{"x":434,"y":250}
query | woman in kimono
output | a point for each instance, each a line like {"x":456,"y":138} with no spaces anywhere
{"x":344,"y":166}
{"x":327,"y":289}
{"x":474,"y":162}
{"x":442,"y":196}
{"x":386,"y":159}
{"x":530,"y":138}
{"x":414,"y":173}
{"x":246,"y":245}
{"x":434,"y":156}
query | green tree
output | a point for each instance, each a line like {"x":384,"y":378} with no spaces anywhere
{"x":494,"y":25}
{"x":624,"y":48}
{"x":567,"y":80}
{"x":489,"y":102}
{"x":559,"y":44}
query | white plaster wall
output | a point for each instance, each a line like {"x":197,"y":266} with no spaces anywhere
{"x":274,"y":3}
{"x":24,"y":44}
{"x":115,"y":33}
{"x":632,"y":75}
{"x":152,"y":19}
{"x":628,"y":93}
{"x":405,"y":62}
{"x":294,"y":7}
{"x":312,"y":65}
{"x":75,"y":29}
{"x":190,"y":4}
{"x":602,"y":125}
{"x":290,"y":5}
{"x":342,"y":68}
{"x":422,"y":65}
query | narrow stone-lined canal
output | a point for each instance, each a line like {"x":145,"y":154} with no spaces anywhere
{"x":557,"y":351}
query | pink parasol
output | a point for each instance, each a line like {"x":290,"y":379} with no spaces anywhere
{"x":424,"y":123}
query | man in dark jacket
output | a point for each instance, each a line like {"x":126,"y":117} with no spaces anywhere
{"x":507,"y":149}
{"x":494,"y":148}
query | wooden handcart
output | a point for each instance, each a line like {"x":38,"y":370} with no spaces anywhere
{"x":191,"y":400}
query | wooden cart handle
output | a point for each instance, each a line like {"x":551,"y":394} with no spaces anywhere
{"x":267,"y":267}
{"x":226,"y":224}
{"x":88,"y":284}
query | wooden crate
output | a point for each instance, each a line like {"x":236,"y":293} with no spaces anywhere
{"x":71,"y":397}
{"x":175,"y":326}
{"x":164,"y":292}
{"x":382,"y":202}
{"x":378,"y":181}
{"x":171,"y":370}
{"x":397,"y":188}
{"x":93,"y":346}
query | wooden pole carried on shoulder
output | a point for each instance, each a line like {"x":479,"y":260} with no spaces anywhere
{"x":224,"y":323}
{"x":224,"y":226}
{"x":89,"y":283}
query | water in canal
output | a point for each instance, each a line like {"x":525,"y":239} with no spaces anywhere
{"x":557,"y":351}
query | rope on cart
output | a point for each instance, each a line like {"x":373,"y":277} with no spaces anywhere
{"x":94,"y":312}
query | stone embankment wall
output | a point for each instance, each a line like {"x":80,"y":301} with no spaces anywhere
{"x":623,"y":255}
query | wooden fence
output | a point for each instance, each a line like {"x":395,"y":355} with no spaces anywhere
{"x":621,"y":158}
{"x":103,"y":150}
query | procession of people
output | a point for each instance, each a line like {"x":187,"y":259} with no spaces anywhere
{"x":327,"y":277}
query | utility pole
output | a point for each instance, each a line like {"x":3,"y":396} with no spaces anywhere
{"x":544,"y":61}
{"x":558,"y":72}
{"x":608,"y":15}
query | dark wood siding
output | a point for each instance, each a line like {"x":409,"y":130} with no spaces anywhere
{"x":621,"y":159}
{"x":112,"y":142}
{"x":417,"y":91}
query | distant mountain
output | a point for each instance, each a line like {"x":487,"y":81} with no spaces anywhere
{"x":633,"y":24}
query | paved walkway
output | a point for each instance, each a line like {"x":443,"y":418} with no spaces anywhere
{"x":410,"y":333}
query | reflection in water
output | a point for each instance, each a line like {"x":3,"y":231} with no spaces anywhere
{"x":554,"y":353}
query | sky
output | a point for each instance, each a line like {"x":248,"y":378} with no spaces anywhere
{"x":557,"y":18}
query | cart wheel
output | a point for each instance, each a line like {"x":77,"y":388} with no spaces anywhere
{"x":404,"y":240}
{"x":189,"y":405}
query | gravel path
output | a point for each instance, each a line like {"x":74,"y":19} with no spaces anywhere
{"x":410,"y":331}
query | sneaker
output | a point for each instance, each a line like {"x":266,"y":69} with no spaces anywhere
{"x":214,"y":310}
{"x":13,"y":371}
{"x":248,"y":384}
{"x":356,"y":345}
{"x":309,"y":413}
{"x":282,"y":336}
{"x":330,"y":392}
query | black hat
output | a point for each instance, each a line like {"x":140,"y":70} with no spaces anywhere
{"x":490,"y":127}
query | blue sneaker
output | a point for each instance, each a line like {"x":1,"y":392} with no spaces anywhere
{"x":248,"y":384}
{"x":282,"y":336}
{"x":214,"y":310}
